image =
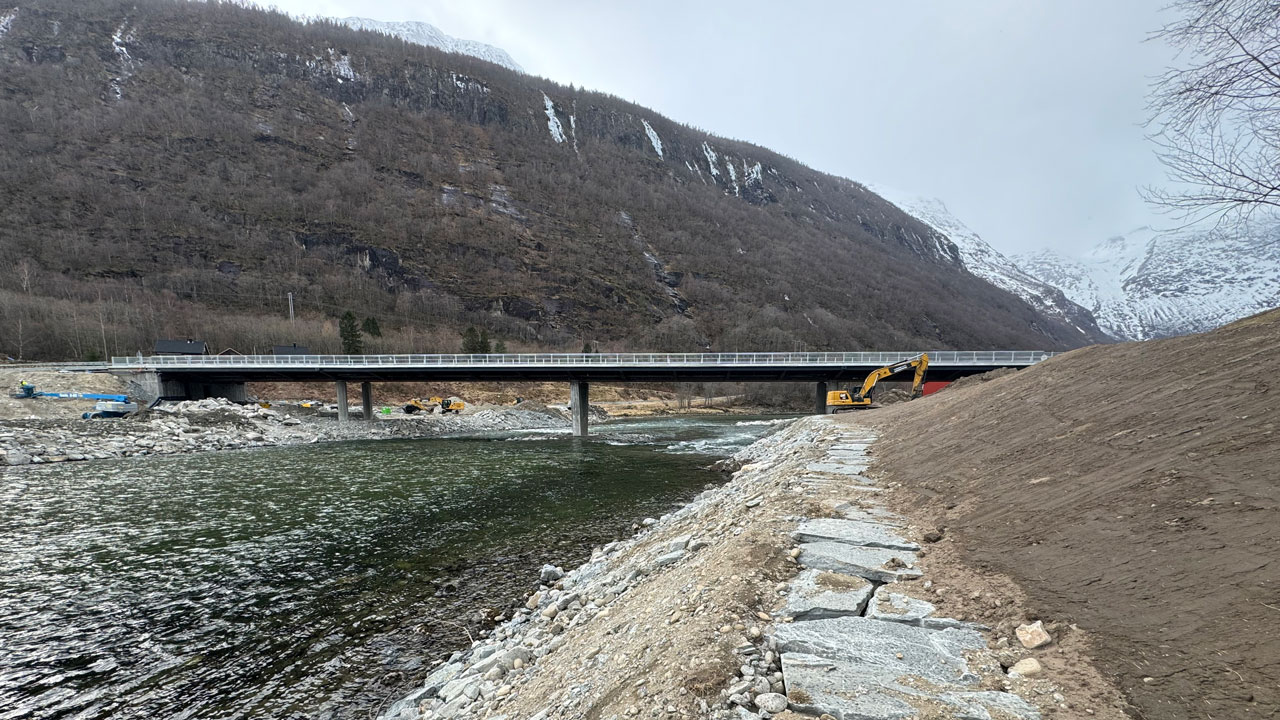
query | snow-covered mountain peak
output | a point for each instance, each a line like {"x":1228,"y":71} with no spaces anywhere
{"x":983,"y":260}
{"x":421,"y":33}
{"x":1148,"y":284}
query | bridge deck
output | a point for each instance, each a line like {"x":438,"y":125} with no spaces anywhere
{"x":622,"y":367}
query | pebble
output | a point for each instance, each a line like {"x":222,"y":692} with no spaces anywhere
{"x":1026,"y":667}
{"x":771,"y":702}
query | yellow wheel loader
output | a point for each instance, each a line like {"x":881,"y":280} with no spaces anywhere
{"x":844,"y":400}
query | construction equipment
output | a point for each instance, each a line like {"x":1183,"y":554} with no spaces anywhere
{"x":110,"y":409}
{"x":845,"y":401}
{"x":27,"y":390}
{"x":446,"y":405}
{"x":415,"y":405}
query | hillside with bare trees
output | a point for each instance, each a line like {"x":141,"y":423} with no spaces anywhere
{"x":176,"y":169}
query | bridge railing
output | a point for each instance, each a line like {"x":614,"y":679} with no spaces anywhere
{"x":939,"y":357}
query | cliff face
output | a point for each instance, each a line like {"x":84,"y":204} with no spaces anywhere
{"x":177,"y":168}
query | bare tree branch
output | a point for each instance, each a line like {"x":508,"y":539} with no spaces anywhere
{"x":1216,"y":122}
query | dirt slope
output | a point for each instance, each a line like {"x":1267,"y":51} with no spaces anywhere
{"x":1132,"y":489}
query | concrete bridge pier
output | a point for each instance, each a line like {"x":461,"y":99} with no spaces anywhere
{"x":342,"y":401}
{"x":366,"y":400}
{"x":820,"y":400}
{"x":579,"y":406}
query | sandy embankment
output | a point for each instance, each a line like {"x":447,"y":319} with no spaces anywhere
{"x":788,"y":589}
{"x":1131,"y":490}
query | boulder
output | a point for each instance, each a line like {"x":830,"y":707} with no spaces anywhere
{"x":1033,"y":636}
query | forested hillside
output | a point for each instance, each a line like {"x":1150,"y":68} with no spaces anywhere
{"x":175,"y":169}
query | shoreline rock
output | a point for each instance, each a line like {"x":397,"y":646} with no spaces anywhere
{"x":709,"y":612}
{"x":215,"y":424}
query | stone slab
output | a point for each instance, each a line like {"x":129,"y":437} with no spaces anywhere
{"x":837,"y":468}
{"x":874,"y":514}
{"x":864,"y":562}
{"x":859,"y":668}
{"x":816,"y":594}
{"x":858,"y":483}
{"x":890,"y":604}
{"x":851,"y":532}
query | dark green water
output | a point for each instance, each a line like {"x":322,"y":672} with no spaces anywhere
{"x":304,"y":582}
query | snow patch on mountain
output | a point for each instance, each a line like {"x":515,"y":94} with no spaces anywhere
{"x":553,"y":122}
{"x":986,"y":262}
{"x":6,"y":20}
{"x":654,"y":140}
{"x":119,"y":45}
{"x":1147,"y":284}
{"x":421,"y":33}
{"x":711,"y":158}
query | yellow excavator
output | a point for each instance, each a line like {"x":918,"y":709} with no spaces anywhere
{"x":446,"y":405}
{"x":844,"y":401}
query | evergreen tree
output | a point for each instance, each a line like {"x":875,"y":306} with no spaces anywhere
{"x":500,"y":347}
{"x":475,"y":341}
{"x":349,"y":331}
{"x":371,"y":327}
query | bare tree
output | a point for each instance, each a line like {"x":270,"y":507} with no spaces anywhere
{"x":1217,"y":121}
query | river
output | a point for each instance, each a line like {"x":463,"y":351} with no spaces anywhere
{"x":307,"y":581}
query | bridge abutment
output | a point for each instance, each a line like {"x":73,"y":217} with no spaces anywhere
{"x":342,"y":401}
{"x":155,"y":385}
{"x":579,"y":405}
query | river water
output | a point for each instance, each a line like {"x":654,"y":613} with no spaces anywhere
{"x":309,"y":581}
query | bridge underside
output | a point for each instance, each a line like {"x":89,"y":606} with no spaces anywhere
{"x":845,"y":373}
{"x":230,"y":382}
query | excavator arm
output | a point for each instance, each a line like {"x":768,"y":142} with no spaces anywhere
{"x":920,"y":363}
{"x":917,"y":385}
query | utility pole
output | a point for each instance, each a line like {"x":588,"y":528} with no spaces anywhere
{"x":290,"y":308}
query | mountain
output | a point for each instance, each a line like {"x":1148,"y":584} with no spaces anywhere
{"x":1146,"y":284}
{"x":989,"y":264}
{"x":189,"y":169}
{"x":421,"y":33}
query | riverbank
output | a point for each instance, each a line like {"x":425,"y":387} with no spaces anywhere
{"x":211,"y":425}
{"x":1129,"y":489}
{"x":789,"y":589}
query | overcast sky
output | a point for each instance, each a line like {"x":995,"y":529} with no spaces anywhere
{"x":1024,"y":117}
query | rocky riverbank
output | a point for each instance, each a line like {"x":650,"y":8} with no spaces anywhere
{"x":790,"y":589}
{"x":208,"y":425}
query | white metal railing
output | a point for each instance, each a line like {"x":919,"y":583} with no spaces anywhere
{"x":941,"y":358}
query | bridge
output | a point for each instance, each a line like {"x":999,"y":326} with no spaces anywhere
{"x":199,"y":376}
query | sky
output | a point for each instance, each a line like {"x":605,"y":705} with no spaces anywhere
{"x":1024,"y":116}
